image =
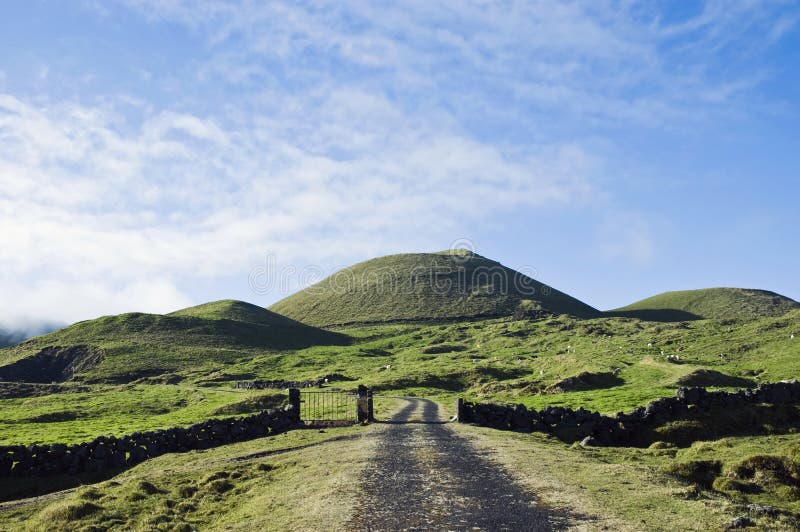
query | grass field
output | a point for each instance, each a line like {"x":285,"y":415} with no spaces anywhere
{"x":119,"y":410}
{"x":307,"y":479}
{"x":147,"y":372}
{"x":605,"y":364}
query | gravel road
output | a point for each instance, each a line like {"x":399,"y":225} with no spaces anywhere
{"x":425,"y":476}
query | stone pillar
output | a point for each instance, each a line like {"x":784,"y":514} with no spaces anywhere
{"x":363,"y":404}
{"x":459,"y":410}
{"x":294,"y":402}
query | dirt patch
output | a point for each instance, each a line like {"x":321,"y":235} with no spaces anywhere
{"x":52,"y":364}
{"x":712,"y":378}
{"x":585,"y":381}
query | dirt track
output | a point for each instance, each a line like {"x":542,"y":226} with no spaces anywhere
{"x":424,"y":476}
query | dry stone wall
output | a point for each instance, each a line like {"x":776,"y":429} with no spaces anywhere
{"x":107,"y":453}
{"x":623,"y":428}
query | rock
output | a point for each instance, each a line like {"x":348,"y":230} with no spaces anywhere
{"x":589,"y":441}
{"x":741,"y":522}
{"x":759,"y":510}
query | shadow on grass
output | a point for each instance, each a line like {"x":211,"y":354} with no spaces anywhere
{"x":15,"y":488}
{"x":663,"y":315}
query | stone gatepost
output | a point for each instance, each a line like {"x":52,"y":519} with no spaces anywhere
{"x":294,"y":402}
{"x":364,"y":408}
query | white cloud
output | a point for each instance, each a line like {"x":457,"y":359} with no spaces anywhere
{"x":344,"y":128}
{"x":93,"y":210}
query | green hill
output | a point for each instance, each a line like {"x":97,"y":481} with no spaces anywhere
{"x":240,"y":311}
{"x":709,"y":303}
{"x":129,"y":346}
{"x":424,"y":286}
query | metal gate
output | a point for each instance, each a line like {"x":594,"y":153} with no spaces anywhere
{"x":316,"y":406}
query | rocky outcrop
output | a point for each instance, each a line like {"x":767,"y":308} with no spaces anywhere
{"x":623,"y":428}
{"x":109,"y":453}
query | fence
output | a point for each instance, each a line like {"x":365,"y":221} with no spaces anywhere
{"x":332,"y":406}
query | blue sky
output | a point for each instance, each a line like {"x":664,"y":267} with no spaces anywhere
{"x":153,"y":154}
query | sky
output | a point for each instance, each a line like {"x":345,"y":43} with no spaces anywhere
{"x":159,"y":154}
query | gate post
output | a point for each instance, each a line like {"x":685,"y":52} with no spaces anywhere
{"x":294,"y":402}
{"x":363,"y":404}
{"x":459,"y":410}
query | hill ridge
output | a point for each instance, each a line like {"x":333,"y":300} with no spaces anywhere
{"x":708,"y":303}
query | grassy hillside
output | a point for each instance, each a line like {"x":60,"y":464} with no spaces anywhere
{"x":709,"y":303}
{"x":606,"y":364}
{"x":196,"y":340}
{"x":230,"y":309}
{"x":421,"y":286}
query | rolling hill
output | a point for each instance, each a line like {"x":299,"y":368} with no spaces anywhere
{"x":709,"y":303}
{"x":424,"y":286}
{"x":130,"y":346}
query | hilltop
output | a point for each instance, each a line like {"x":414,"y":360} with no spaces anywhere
{"x":709,"y":303}
{"x":124,"y":347}
{"x":423,"y":286}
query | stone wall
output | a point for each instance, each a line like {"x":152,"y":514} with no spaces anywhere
{"x":277,"y":385}
{"x":623,"y":428}
{"x":107,"y":453}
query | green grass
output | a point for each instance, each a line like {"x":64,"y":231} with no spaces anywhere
{"x":119,"y":410}
{"x":204,"y":350}
{"x":299,"y":479}
{"x":497,"y":359}
{"x":193,"y":341}
{"x":709,"y":303}
{"x":423,"y":286}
